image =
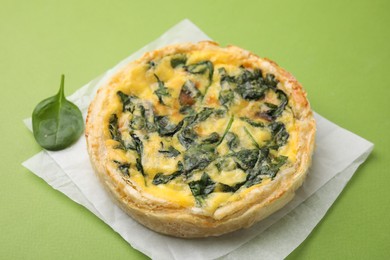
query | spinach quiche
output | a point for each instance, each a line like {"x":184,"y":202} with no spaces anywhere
{"x":196,"y":140}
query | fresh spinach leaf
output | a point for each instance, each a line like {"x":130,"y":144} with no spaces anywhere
{"x":123,"y":168}
{"x":57,"y":123}
{"x":201,"y":188}
{"x":161,"y":91}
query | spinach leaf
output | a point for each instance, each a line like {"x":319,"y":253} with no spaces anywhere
{"x":198,"y":157}
{"x":142,"y":119}
{"x":275,"y":111}
{"x":271,"y":81}
{"x":203,"y":115}
{"x":188,"y":94}
{"x":247,"y":75}
{"x":161,"y":178}
{"x":227,"y":188}
{"x":57,"y":123}
{"x":225,"y":78}
{"x":254,"y":175}
{"x":275,"y":165}
{"x":251,"y":122}
{"x":225,"y":164}
{"x":138,"y":147}
{"x":201,"y":68}
{"x":123,"y":168}
{"x":139,"y":166}
{"x":252,"y":138}
{"x":246,"y":159}
{"x":114,"y":129}
{"x":127,"y":101}
{"x":170,"y":152}
{"x":265,"y":166}
{"x":226,"y":97}
{"x":165,"y":127}
{"x":137,"y":122}
{"x":212,"y":138}
{"x":279,"y":135}
{"x":187,"y":137}
{"x":162,"y":91}
{"x":115,"y":133}
{"x":251,"y":85}
{"x":251,"y":90}
{"x":201,"y":188}
{"x":187,"y":110}
{"x":178,"y":61}
{"x":232,"y":140}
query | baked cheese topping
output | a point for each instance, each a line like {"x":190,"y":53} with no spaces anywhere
{"x":199,"y":129}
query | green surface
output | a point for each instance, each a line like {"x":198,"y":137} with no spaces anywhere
{"x":339,"y":50}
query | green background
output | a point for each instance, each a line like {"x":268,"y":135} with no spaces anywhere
{"x":339,"y":51}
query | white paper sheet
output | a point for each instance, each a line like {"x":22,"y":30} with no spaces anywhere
{"x":337,"y":155}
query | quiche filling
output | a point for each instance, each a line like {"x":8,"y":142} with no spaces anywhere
{"x":199,"y":129}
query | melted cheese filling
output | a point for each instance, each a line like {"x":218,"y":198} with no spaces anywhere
{"x":141,"y":82}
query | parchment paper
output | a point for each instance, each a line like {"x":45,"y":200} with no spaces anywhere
{"x":337,"y":155}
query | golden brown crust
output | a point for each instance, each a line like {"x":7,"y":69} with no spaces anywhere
{"x":171,"y":219}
